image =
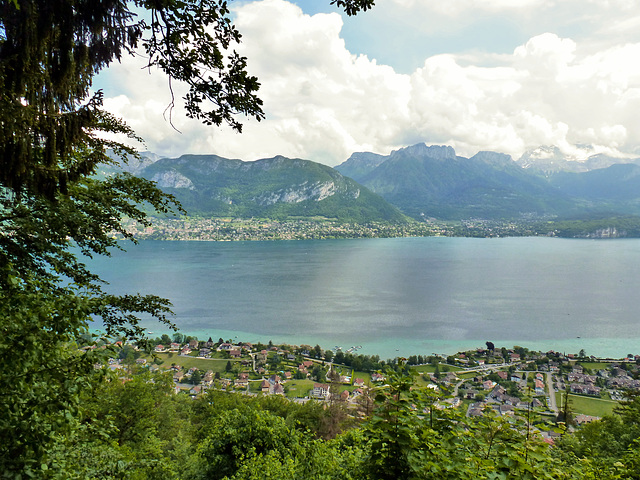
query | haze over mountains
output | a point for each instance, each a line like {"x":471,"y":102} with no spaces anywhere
{"x":419,"y":181}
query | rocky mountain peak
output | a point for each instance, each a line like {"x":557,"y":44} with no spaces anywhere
{"x":439,"y":152}
{"x":493,"y":158}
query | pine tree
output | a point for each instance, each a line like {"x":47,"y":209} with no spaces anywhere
{"x":51,"y":147}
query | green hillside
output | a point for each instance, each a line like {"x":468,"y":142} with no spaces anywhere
{"x":279,"y":187}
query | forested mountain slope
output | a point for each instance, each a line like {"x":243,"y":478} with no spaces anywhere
{"x":275,"y":187}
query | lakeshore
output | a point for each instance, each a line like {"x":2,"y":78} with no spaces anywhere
{"x":398,"y":296}
{"x":505,"y":380}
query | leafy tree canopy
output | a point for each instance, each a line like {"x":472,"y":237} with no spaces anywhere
{"x":52,"y":205}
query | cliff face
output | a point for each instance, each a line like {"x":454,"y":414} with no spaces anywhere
{"x":172,"y":179}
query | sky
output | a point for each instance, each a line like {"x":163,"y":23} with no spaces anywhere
{"x":499,"y":75}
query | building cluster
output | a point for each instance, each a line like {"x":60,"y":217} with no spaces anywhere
{"x":507,"y":382}
{"x":225,"y":229}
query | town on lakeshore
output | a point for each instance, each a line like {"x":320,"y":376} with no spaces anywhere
{"x":320,"y":228}
{"x":506,"y":381}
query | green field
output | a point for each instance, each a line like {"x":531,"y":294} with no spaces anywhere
{"x":596,"y":407}
{"x":431,"y":368}
{"x":204,"y":364}
{"x":595,"y":365}
{"x":299,"y":388}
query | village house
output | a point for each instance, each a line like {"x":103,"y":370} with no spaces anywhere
{"x":276,"y":389}
{"x":242,"y":381}
{"x":488,"y":384}
{"x":584,"y":389}
{"x":623,"y":383}
{"x":471,"y":394}
{"x":497,"y":390}
{"x":535,"y":403}
{"x":476,"y":409}
{"x":505,"y":410}
{"x":449,"y":403}
{"x":450,"y":377}
{"x":581,"y":378}
{"x":208,"y":378}
{"x":501,"y":397}
{"x":582,"y":419}
{"x":320,"y":390}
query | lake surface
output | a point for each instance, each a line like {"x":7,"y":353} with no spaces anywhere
{"x":397,"y":296}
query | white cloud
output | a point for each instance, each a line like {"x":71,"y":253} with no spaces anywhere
{"x":323,"y":102}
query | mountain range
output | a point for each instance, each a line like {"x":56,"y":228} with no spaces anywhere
{"x":278,"y":187}
{"x":418,"y":181}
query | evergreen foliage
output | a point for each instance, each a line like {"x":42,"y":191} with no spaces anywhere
{"x":52,"y":143}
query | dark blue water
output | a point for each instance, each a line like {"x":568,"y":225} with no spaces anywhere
{"x":397,"y":296}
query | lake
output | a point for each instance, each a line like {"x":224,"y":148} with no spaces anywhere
{"x":397,"y":296}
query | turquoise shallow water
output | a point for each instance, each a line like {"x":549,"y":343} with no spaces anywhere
{"x":397,"y":296}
